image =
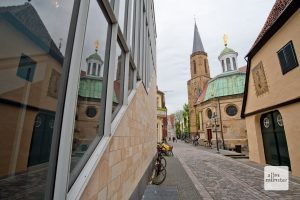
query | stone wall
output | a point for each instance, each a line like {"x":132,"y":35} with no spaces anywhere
{"x":130,"y":152}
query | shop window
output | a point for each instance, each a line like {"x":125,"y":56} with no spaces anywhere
{"x":28,"y":91}
{"x":287,"y":58}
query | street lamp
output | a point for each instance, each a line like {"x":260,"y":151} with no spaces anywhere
{"x":214,"y":117}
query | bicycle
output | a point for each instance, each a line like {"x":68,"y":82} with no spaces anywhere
{"x":159,"y":172}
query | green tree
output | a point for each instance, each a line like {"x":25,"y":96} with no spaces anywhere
{"x":186,"y":118}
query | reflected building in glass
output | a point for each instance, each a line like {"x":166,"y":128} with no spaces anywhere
{"x":76,"y":79}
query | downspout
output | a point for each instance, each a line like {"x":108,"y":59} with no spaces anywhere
{"x":221,"y":124}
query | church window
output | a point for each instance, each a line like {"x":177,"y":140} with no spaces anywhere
{"x":91,"y":111}
{"x":223,"y":66}
{"x":231,"y":110}
{"x":287,"y":58}
{"x":209,"y":113}
{"x":89,"y":68}
{"x":234,"y":63}
{"x":194,"y":64}
{"x":228,"y":64}
{"x":94,"y":69}
{"x":98,"y":73}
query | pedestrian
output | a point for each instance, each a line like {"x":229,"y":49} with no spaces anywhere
{"x":173,"y":139}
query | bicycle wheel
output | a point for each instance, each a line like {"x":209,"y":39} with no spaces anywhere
{"x":163,"y":161}
{"x":159,"y":176}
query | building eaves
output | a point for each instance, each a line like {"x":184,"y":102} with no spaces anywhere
{"x":291,"y":7}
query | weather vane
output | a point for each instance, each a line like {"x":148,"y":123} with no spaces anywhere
{"x":225,"y":38}
{"x":96,"y":45}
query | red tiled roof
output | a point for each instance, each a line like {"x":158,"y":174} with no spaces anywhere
{"x":243,"y":69}
{"x":201,"y":97}
{"x":276,"y":11}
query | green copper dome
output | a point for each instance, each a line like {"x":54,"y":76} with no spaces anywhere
{"x":92,"y":88}
{"x":226,"y":51}
{"x":229,"y":83}
{"x":94,"y":56}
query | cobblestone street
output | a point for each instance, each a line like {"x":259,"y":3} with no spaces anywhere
{"x":218,"y":177}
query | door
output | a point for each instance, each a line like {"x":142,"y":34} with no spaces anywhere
{"x":209,"y":135}
{"x":274,"y":140}
{"x":41,"y":139}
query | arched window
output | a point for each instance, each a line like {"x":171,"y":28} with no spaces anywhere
{"x":205,"y":65}
{"x":228,"y":64}
{"x":94,"y":69}
{"x":98,"y":69}
{"x":223,"y":66}
{"x":194,"y":64}
{"x":234,"y":63}
{"x":89,"y":68}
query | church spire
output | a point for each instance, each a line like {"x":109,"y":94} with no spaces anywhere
{"x":197,"y":44}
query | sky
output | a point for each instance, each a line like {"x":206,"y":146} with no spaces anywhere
{"x":241,"y":20}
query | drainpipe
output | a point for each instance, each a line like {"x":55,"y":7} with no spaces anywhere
{"x":221,"y":123}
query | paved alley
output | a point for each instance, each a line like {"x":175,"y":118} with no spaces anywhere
{"x":218,"y":177}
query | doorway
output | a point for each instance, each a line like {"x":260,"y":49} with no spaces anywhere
{"x":274,"y":139}
{"x":209,"y":136}
{"x":41,"y":138}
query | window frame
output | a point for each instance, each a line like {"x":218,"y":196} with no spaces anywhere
{"x":108,"y":127}
{"x":286,"y":69}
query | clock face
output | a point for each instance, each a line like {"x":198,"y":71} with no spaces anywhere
{"x":260,"y":80}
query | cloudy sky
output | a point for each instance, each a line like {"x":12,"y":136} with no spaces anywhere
{"x":241,"y":20}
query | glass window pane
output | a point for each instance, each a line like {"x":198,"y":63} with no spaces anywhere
{"x":118,"y":80}
{"x":33,"y":44}
{"x":132,"y":24}
{"x":87,"y":123}
{"x":130,"y":78}
{"x":122,"y":8}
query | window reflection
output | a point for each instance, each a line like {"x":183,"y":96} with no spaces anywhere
{"x":32,"y":50}
{"x":118,"y":80}
{"x":87,"y":122}
{"x":130,"y":79}
{"x":121,"y":20}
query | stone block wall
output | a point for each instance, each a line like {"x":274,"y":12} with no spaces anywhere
{"x":130,"y":151}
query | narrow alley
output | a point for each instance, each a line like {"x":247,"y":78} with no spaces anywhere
{"x":216,"y":176}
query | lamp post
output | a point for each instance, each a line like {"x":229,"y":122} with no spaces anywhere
{"x":215,"y":125}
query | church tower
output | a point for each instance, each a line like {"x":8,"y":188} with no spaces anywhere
{"x":200,"y":75}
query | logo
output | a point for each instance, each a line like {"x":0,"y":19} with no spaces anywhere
{"x":276,"y":178}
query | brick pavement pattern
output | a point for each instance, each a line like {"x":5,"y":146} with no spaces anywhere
{"x":218,"y":177}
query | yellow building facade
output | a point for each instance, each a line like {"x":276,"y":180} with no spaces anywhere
{"x":271,"y":102}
